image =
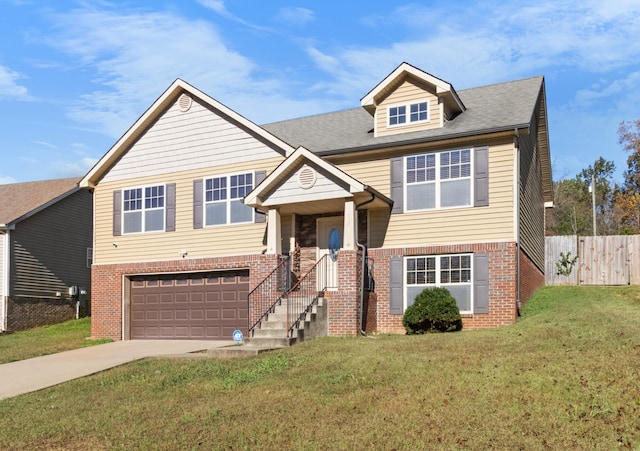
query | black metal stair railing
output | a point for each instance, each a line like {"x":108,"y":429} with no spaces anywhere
{"x":307,"y":290}
{"x":269,"y":293}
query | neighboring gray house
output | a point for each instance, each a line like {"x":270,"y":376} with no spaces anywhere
{"x":46,"y":232}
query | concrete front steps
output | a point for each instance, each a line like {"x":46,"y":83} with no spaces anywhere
{"x":273,"y":332}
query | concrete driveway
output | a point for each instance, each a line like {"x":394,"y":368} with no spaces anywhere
{"x":37,"y":373}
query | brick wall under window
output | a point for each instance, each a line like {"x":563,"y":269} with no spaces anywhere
{"x":502,"y":284}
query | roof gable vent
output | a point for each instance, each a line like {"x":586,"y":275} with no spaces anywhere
{"x":306,"y":177}
{"x":184,"y":103}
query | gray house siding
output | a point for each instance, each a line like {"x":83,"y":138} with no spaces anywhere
{"x":49,"y":249}
{"x":531,"y":200}
{"x":2,"y":263}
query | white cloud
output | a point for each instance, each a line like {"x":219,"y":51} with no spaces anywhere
{"x":9,"y":86}
{"x":77,"y":168}
{"x":136,"y":56}
{"x":605,"y":90}
{"x":219,"y":7}
{"x":5,"y":180}
{"x":496,"y":41}
{"x":296,"y":16}
{"x":215,"y":5}
{"x":46,"y":144}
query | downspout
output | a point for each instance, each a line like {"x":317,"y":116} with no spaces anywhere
{"x":363,"y":248}
{"x":516,"y":141}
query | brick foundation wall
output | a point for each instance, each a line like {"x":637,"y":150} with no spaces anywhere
{"x":344,"y":304}
{"x":25,"y":313}
{"x":531,"y":278}
{"x":502,"y":283}
{"x":371,"y":309}
{"x":107,"y":284}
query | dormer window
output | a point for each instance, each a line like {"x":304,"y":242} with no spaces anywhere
{"x":418,"y":112}
{"x":397,"y":115}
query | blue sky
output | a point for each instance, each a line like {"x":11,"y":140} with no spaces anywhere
{"x":74,"y":75}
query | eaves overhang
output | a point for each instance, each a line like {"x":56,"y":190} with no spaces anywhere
{"x":486,"y":133}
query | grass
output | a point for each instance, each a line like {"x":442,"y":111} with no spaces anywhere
{"x":565,"y":376}
{"x":46,"y":340}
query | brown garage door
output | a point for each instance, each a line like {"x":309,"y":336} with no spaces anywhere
{"x":189,"y":306}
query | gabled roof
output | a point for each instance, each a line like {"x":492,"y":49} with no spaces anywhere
{"x":19,"y":201}
{"x":405,"y":70}
{"x":177,"y":88}
{"x":497,"y":108}
{"x":292,"y":162}
{"x":492,"y":108}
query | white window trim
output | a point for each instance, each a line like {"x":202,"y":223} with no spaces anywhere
{"x":438,"y":181}
{"x":405,"y":286}
{"x":227,"y":201}
{"x":408,"y":120}
{"x":143,"y":210}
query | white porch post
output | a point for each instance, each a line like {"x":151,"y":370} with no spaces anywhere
{"x":274,"y":235}
{"x":349,"y":241}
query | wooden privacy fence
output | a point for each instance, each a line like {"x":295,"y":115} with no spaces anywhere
{"x":601,"y":260}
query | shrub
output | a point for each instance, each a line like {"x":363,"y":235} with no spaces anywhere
{"x":434,"y":310}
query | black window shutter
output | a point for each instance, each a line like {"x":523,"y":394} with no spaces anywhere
{"x":197,"y":204}
{"x":260,"y":216}
{"x":481,"y":283}
{"x":170,"y":213}
{"x":481,"y":177}
{"x":117,"y":213}
{"x":395,"y":286}
{"x":397,"y":176}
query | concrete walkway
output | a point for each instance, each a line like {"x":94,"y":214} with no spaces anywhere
{"x":37,"y":373}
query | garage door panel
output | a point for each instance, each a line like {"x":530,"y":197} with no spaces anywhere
{"x":182,"y":314}
{"x":189,"y":306}
{"x":167,"y":315}
{"x":197,"y":298}
{"x":212,"y":296}
{"x":196,"y":314}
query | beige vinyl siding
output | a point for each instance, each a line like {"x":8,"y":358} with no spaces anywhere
{"x":324,"y":188}
{"x":446,"y":226}
{"x":214,"y":241}
{"x":531,"y":201}
{"x":183,"y":141}
{"x":407,"y":93}
{"x":49,"y":249}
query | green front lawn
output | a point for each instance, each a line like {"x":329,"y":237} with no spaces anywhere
{"x":565,"y":376}
{"x":46,"y":340}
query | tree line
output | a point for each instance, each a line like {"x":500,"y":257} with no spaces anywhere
{"x":617,"y":206}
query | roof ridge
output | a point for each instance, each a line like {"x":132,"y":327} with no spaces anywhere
{"x":520,"y":80}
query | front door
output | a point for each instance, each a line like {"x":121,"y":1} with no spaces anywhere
{"x":329,"y":230}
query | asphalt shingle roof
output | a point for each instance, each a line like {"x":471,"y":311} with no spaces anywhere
{"x":500,"y":106}
{"x":20,"y":199}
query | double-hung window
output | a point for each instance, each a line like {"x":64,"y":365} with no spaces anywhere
{"x":438,"y":180}
{"x":224,"y":199}
{"x":143,"y":209}
{"x":452,"y":272}
{"x":417,"y":112}
{"x":397,"y":115}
